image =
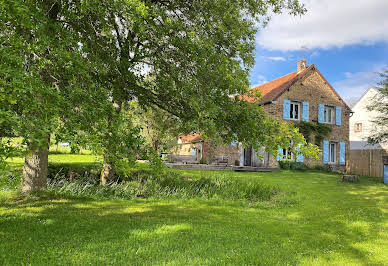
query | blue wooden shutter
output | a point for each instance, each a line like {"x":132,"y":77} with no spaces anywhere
{"x":338,"y":115}
{"x":234,"y":142}
{"x":305,"y":112}
{"x":325,"y":152}
{"x":286,"y":109}
{"x":299,"y":157}
{"x":321,"y":113}
{"x":342,"y":153}
{"x":279,"y":156}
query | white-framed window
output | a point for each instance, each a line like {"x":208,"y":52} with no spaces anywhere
{"x":358,"y":127}
{"x":294,"y":111}
{"x":328,"y":114}
{"x":332,"y":152}
{"x":287,"y":155}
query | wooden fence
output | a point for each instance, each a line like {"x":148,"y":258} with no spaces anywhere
{"x":367,"y":162}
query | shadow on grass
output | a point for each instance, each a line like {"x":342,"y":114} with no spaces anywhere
{"x":80,"y":231}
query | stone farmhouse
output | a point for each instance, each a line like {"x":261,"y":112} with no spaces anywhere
{"x":303,"y":95}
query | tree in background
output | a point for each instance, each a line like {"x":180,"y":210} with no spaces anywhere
{"x":380,"y":105}
{"x":159,"y":128}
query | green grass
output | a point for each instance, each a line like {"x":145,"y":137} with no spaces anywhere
{"x":63,"y":159}
{"x":319,"y":221}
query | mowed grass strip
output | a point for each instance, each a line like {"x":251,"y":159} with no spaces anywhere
{"x":63,"y":159}
{"x":325,"y":222}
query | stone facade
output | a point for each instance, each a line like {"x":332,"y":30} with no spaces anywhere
{"x":305,"y":85}
{"x":315,"y":90}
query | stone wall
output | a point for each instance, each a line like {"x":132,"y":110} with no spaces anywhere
{"x":186,"y":149}
{"x":232,"y":152}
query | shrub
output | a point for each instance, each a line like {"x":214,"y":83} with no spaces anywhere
{"x":146,"y":184}
{"x":289,"y":165}
{"x":202,"y":161}
{"x":10,"y":180}
{"x":88,"y":170}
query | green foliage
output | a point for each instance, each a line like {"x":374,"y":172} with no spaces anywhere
{"x":202,"y":161}
{"x":182,"y":57}
{"x":159,"y":128}
{"x":147,"y":184}
{"x":7,"y":150}
{"x":380,"y":105}
{"x":289,"y":165}
{"x":323,"y":168}
{"x":61,"y":170}
{"x":319,"y":130}
{"x":46,"y":84}
{"x":69,"y":68}
{"x":10,"y":180}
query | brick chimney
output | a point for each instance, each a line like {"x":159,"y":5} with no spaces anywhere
{"x":302,"y":65}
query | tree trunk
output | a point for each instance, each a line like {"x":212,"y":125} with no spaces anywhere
{"x":35,"y":169}
{"x":107,"y":174}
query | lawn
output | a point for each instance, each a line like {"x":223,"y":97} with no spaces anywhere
{"x":318,"y":220}
{"x":18,"y":162}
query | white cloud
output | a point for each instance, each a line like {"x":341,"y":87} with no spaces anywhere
{"x":355,"y":84}
{"x":315,"y":54}
{"x":258,"y":80}
{"x":328,"y":23}
{"x":276,"y":58}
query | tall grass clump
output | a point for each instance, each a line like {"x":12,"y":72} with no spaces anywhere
{"x":146,"y":184}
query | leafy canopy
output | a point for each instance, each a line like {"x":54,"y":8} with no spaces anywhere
{"x":380,"y":105}
{"x":184,"y":57}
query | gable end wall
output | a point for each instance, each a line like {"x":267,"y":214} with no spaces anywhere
{"x":315,"y":90}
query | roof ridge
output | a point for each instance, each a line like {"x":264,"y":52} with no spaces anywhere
{"x":275,"y":79}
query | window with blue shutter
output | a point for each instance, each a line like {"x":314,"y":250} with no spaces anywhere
{"x":286,"y":109}
{"x":325,"y":152}
{"x":342,"y":153}
{"x":338,"y":114}
{"x":305,"y":111}
{"x":321,"y":113}
{"x":299,"y":157}
{"x":279,"y":155}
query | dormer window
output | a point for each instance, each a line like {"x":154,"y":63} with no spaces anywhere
{"x":294,"y":110}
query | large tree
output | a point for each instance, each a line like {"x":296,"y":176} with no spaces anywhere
{"x":380,"y":105}
{"x":75,"y":65}
{"x":45,"y":82}
{"x":184,"y":57}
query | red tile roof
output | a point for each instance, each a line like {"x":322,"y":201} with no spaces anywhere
{"x":270,"y":91}
{"x":189,"y":138}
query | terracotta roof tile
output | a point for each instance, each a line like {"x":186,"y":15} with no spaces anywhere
{"x":270,"y":91}
{"x":273,"y":89}
{"x":190,"y":137}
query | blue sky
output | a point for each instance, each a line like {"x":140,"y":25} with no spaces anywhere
{"x":348,"y":45}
